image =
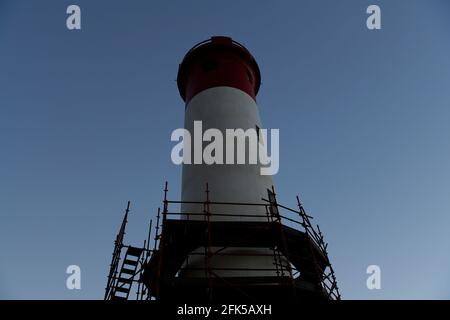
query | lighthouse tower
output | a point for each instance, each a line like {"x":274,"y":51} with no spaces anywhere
{"x":219,"y":79}
{"x":228,"y":238}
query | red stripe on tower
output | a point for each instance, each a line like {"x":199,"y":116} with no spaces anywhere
{"x":219,"y":61}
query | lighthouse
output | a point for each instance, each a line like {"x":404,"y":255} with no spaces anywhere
{"x":218,"y":80}
{"x":227,"y":239}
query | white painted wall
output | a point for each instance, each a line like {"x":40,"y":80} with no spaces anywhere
{"x":226,"y":108}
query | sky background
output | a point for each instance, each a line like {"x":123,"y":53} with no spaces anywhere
{"x":86,"y":118}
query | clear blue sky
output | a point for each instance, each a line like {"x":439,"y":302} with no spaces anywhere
{"x":86,"y":117}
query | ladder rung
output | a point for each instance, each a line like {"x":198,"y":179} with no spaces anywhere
{"x":127,"y":271}
{"x":118,"y":298}
{"x":124,"y":290}
{"x":133,"y":251}
{"x":130,"y":262}
{"x":125,"y":280}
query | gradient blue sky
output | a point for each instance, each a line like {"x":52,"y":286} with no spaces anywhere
{"x":86,"y":117}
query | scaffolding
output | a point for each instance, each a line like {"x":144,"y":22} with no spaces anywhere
{"x":123,"y":277}
{"x":301,"y":267}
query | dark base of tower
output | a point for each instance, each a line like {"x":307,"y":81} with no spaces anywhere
{"x":239,"y":290}
{"x":246,"y":258}
{"x":163,"y":273}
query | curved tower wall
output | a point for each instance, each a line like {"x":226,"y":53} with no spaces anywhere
{"x":219,"y":80}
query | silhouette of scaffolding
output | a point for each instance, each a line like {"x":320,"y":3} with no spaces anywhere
{"x":301,"y":267}
{"x":123,"y":276}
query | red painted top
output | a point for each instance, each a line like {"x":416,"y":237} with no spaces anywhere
{"x":219,"y":61}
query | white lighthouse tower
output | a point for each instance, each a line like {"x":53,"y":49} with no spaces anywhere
{"x":234,"y":242}
{"x":219,"y":79}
